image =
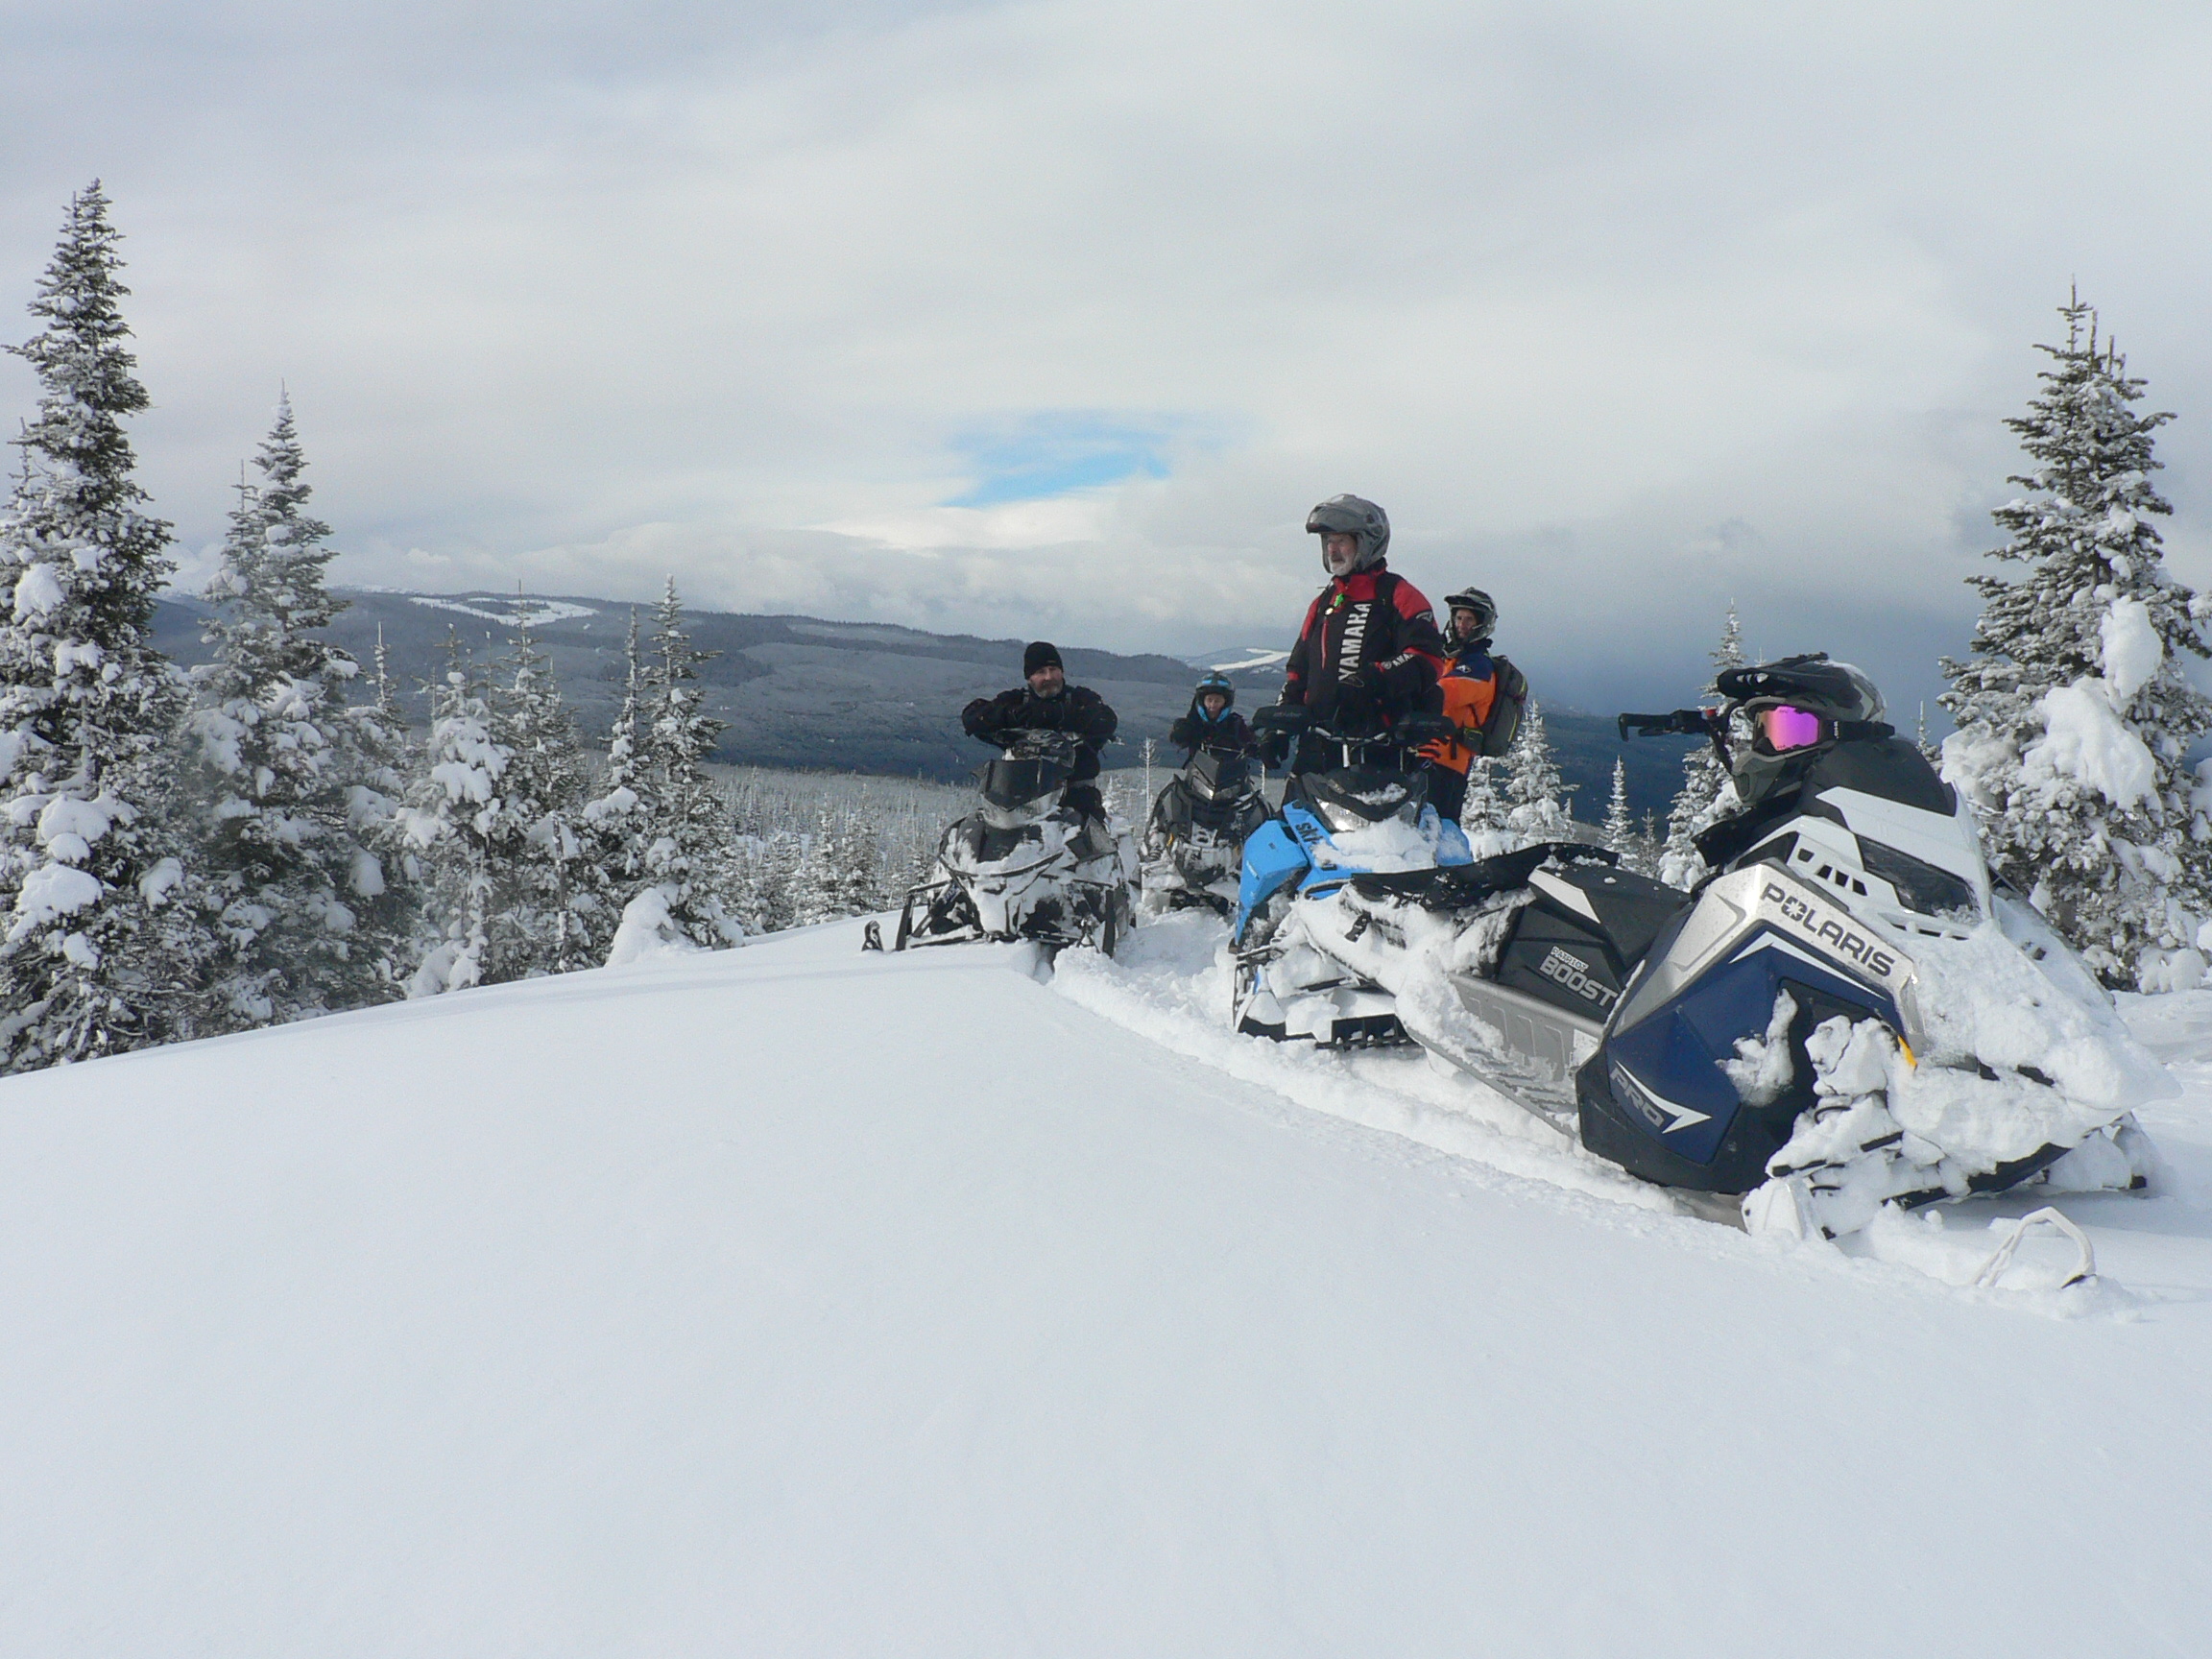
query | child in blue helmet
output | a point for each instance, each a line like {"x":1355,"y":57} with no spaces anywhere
{"x":1212,"y":722}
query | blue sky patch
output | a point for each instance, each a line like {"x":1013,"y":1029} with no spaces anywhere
{"x":1047,"y":455}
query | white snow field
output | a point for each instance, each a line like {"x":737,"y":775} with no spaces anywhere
{"x":791,"y":1301}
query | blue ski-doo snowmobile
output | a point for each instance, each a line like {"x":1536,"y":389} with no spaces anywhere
{"x":1845,"y":1013}
{"x":1365,"y":816}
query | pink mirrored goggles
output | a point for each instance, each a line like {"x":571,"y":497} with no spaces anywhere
{"x":1786,"y":729}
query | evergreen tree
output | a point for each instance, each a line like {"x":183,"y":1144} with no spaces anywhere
{"x":1537,"y":808}
{"x":102,"y":951}
{"x":619,"y":819}
{"x":555,"y":911}
{"x":2073,"y":712}
{"x":293,"y":783}
{"x":455,"y":818}
{"x":1708,"y":794}
{"x":686,"y":851}
{"x":1620,"y":834}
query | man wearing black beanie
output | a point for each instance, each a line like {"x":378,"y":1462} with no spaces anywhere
{"x":1047,"y":703}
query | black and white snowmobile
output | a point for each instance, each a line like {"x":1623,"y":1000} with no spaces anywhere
{"x":1846,"y":1014}
{"x":1195,"y":838}
{"x":1300,"y":944}
{"x":1022,"y":867}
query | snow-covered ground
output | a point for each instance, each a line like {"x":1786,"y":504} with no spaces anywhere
{"x":792,"y":1301}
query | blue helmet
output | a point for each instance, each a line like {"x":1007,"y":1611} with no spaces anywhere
{"x":1212,"y":683}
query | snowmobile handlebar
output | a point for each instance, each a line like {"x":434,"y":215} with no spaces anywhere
{"x":1679,"y":723}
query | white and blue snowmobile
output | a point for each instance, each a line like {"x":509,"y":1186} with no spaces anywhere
{"x":1296,"y":938}
{"x":1194,"y":843}
{"x":1846,"y":1012}
{"x":1021,"y":866}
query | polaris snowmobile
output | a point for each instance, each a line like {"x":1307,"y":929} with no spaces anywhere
{"x":1195,"y":839}
{"x":1295,"y":940}
{"x":1022,"y":867}
{"x":1846,"y":1012}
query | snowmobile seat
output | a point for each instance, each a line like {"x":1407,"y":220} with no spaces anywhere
{"x":1462,"y":886}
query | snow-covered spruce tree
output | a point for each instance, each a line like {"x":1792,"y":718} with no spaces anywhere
{"x":101,"y":951}
{"x":1707,"y":794}
{"x":456,"y":821}
{"x":1536,"y":800}
{"x":2074,"y":717}
{"x":689,"y":868}
{"x":554,"y":911}
{"x":294,"y":783}
{"x":1622,"y":837}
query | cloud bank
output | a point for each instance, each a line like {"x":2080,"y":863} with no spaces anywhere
{"x":1056,"y":317}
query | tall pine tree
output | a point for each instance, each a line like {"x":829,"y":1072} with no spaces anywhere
{"x":2074,"y":716}
{"x":295,"y":784}
{"x":100,"y":950}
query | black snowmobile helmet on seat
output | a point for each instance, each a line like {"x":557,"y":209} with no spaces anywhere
{"x":1484,"y":607}
{"x":1350,"y":515}
{"x":1799,"y":707}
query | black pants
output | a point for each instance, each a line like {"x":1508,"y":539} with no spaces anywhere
{"x":1447,"y":792}
{"x":1084,"y":799}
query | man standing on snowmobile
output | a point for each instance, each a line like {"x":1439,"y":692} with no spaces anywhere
{"x":1047,"y":703}
{"x":1369,"y":652}
{"x":1484,"y":697}
{"x":1212,"y":722}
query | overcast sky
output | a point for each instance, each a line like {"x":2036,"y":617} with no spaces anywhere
{"x":1057,"y":317}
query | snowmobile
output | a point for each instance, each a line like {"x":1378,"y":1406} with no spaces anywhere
{"x":1195,"y":838}
{"x":1847,"y":1013}
{"x":1022,"y":867}
{"x":1295,"y":941}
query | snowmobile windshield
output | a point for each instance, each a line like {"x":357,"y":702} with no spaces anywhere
{"x":1012,"y":783}
{"x":1358,"y":796}
{"x":1214,"y":776}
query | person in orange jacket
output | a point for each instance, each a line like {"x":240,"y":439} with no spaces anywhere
{"x":1484,"y":696}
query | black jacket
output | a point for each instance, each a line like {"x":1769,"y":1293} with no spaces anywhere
{"x":1077,"y":710}
{"x":1368,"y":652}
{"x":1230,"y":734}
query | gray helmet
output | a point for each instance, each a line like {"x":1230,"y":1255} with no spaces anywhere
{"x":1844,"y":701}
{"x":1349,"y":515}
{"x":1484,"y":607}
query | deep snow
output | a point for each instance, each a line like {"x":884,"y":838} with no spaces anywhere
{"x":791,"y":1301}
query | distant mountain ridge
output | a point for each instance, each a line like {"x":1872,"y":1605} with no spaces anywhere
{"x":806,"y":692}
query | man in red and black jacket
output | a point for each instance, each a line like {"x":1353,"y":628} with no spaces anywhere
{"x":1369,"y":651}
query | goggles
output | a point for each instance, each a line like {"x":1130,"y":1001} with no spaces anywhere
{"x":1783,"y":729}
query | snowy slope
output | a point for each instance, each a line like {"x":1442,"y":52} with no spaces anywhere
{"x":789,"y":1301}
